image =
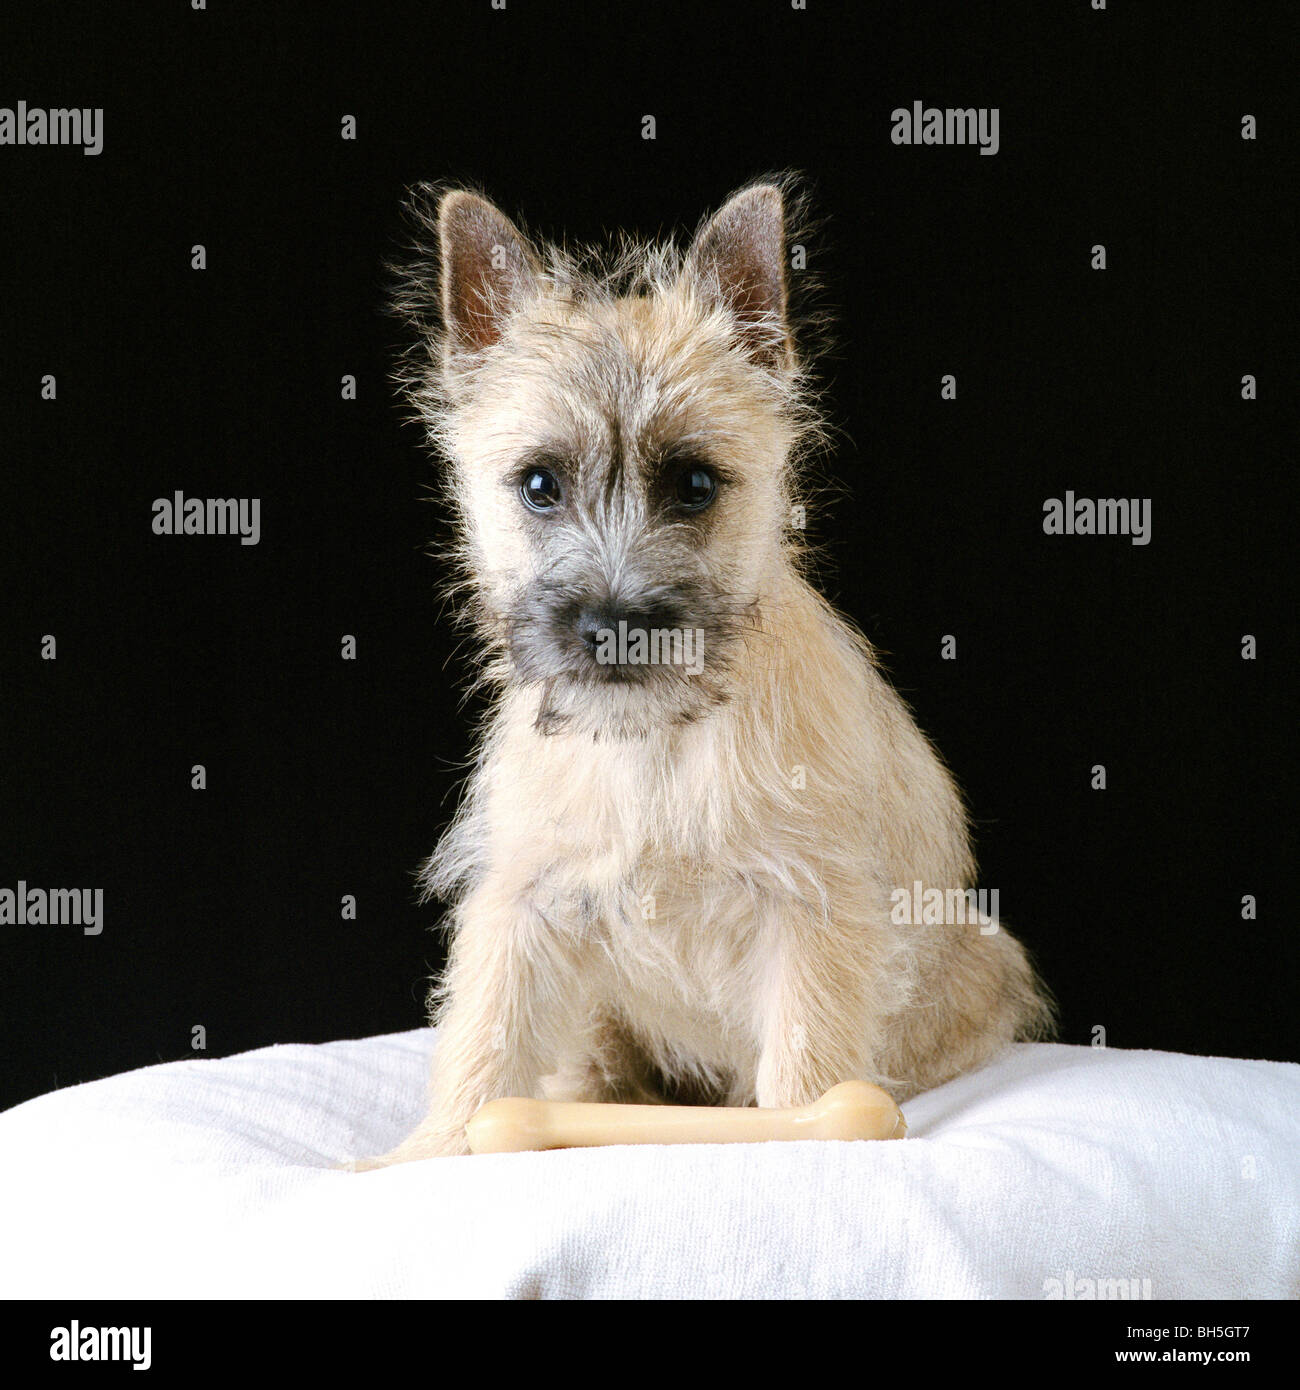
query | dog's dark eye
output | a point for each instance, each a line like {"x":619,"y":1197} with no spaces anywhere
{"x":540,"y":489}
{"x":696,"y":488}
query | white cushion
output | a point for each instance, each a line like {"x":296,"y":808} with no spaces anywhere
{"x":1054,"y":1172}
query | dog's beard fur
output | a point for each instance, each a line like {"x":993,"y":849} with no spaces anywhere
{"x":766,"y":804}
{"x":626,"y":700}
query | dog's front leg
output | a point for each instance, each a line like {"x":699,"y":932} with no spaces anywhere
{"x":819,"y":1017}
{"x":508,"y":997}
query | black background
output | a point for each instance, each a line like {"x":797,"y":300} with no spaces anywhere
{"x":326,"y":777}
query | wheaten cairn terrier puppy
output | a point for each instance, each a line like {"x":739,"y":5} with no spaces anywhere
{"x":675,"y":872}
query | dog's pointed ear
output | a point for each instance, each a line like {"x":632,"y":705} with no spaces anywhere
{"x":739,"y":257}
{"x":487,"y":266}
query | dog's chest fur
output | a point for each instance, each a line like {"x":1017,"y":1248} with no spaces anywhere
{"x":632,"y":850}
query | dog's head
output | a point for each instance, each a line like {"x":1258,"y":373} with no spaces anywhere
{"x":620,"y":431}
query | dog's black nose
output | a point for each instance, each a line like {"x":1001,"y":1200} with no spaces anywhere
{"x":611,"y":625}
{"x":591,"y":622}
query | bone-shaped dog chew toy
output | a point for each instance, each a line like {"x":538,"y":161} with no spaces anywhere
{"x":851,"y":1110}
